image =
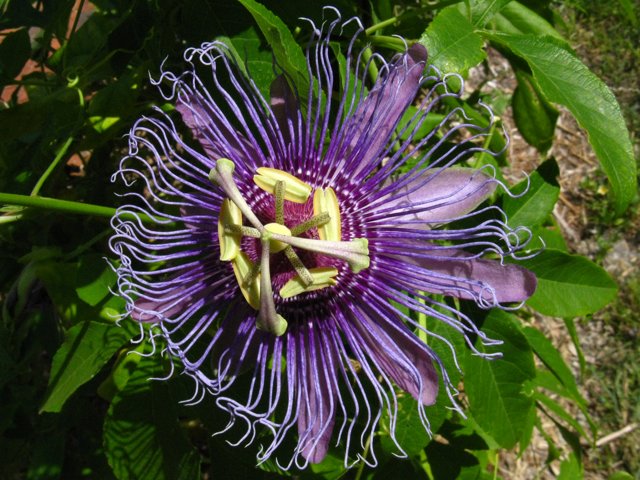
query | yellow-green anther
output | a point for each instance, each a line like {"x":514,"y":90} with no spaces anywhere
{"x":268,"y":320}
{"x":323,"y":277}
{"x":325,"y":200}
{"x":295,"y":190}
{"x":313,"y":222}
{"x":279,"y":193}
{"x":275,"y":245}
{"x":230,"y":216}
{"x":250,"y":277}
{"x":242,"y":267}
{"x":243,"y":230}
{"x":296,"y":263}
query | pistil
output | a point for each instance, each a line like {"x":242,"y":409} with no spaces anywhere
{"x":268,"y":319}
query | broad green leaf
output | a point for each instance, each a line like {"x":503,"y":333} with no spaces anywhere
{"x":331,"y":467}
{"x":254,"y":60}
{"x":410,"y":433}
{"x":568,"y":285}
{"x":551,"y":236}
{"x":142,"y":437}
{"x":288,"y":54}
{"x":455,"y":458}
{"x":14,"y":53}
{"x":564,"y":79}
{"x":86,"y":348}
{"x":515,"y":18}
{"x":483,"y":10}
{"x":534,"y":116}
{"x":549,"y":355}
{"x":94,"y":279}
{"x":535,"y":206}
{"x":497,"y":390}
{"x":452,"y":43}
{"x":408,"y":121}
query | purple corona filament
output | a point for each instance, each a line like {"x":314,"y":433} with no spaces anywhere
{"x":292,"y":236}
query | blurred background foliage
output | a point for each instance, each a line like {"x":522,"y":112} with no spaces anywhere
{"x":75,"y":76}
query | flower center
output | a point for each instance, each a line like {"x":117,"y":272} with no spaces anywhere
{"x":254,"y":277}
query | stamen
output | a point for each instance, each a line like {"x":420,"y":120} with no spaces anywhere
{"x":242,"y":267}
{"x":355,"y":252}
{"x":296,"y":263}
{"x":322,"y":278}
{"x":268,"y":320}
{"x":315,"y":221}
{"x":325,"y":200}
{"x":295,"y":190}
{"x":279,"y":193}
{"x":252,"y":276}
{"x":230,"y":216}
{"x":222,"y":175}
{"x":242,"y":230}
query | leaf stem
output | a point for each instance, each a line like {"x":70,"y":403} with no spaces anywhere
{"x":59,"y":156}
{"x":67,"y":206}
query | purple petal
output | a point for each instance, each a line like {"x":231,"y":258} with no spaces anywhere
{"x":316,"y":413}
{"x":154,"y":311}
{"x":441,"y":196}
{"x":471,"y":278}
{"x":377,"y":116}
{"x":402,"y":357}
{"x":199,"y":119}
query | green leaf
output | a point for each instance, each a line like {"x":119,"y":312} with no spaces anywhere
{"x":568,"y":285}
{"x":247,"y":50}
{"x":621,"y":476}
{"x":483,"y":10}
{"x":515,"y":18}
{"x":142,"y":437}
{"x":410,"y":433}
{"x":551,"y":236}
{"x":454,"y":459}
{"x":560,"y":412}
{"x":564,"y":79}
{"x":14,"y":53}
{"x":534,"y":116}
{"x":94,"y":279}
{"x":548,"y":381}
{"x":549,"y":355}
{"x":570,"y":469}
{"x":86,"y":348}
{"x":496,"y":389}
{"x":408,"y":121}
{"x":535,"y":206}
{"x":452,"y":43}
{"x":286,"y":51}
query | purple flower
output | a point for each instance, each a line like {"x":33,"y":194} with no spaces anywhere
{"x":289,"y":245}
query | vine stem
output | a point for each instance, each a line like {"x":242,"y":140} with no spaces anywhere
{"x":67,"y":206}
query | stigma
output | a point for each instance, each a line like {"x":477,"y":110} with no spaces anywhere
{"x":275,"y":237}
